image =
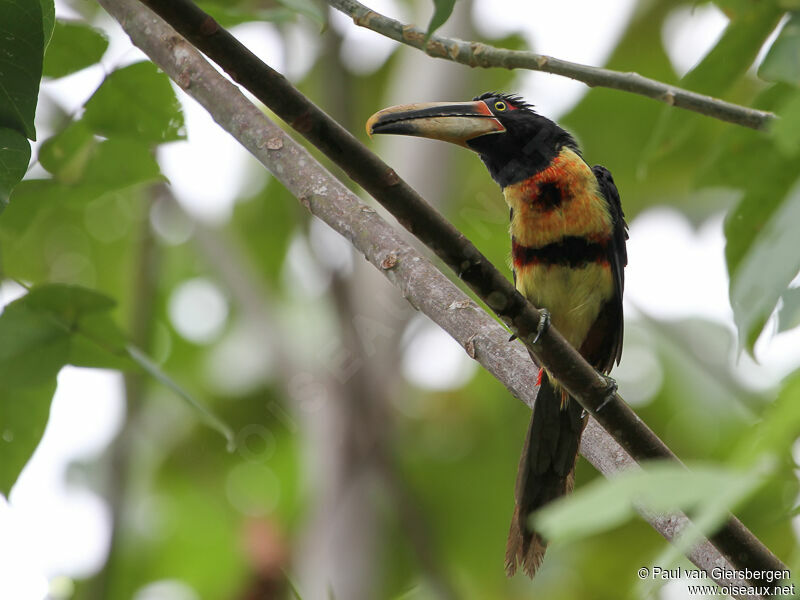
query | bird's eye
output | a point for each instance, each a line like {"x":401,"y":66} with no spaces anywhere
{"x":500,"y":106}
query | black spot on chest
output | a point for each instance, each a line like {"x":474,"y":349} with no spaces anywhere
{"x":550,"y":196}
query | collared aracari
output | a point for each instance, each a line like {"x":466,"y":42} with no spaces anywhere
{"x":568,"y":253}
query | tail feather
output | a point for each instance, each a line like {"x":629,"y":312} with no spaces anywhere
{"x":546,"y":472}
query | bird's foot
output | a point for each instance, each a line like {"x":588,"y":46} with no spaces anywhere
{"x":544,"y":324}
{"x":610,"y":393}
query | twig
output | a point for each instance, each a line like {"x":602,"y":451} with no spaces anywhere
{"x":477,"y":54}
{"x":426,"y":288}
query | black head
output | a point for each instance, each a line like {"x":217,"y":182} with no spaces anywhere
{"x":528,"y":144}
{"x":512,"y":140}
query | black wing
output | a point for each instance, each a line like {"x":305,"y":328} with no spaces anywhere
{"x":618,"y":257}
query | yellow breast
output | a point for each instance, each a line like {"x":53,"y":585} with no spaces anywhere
{"x":574,"y":296}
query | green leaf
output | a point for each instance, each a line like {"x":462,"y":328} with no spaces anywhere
{"x":754,"y":163}
{"x":785,"y":130}
{"x":118,"y":164}
{"x":778,"y":430}
{"x":95,"y":340}
{"x":658,"y":487}
{"x":21,"y":52}
{"x":27,"y":202}
{"x":48,"y":19}
{"x":67,"y":302}
{"x":100,"y":344}
{"x":23,"y":418}
{"x":67,"y":153}
{"x":789,"y":314}
{"x":15,"y":154}
{"x":114,"y":166}
{"x":754,"y":457}
{"x":55,"y":313}
{"x":35,"y":346}
{"x":136,"y":102}
{"x":721,"y":68}
{"x":782,"y":62}
{"x":74,"y":46}
{"x":307,"y":8}
{"x":442,"y":9}
{"x":735,"y":51}
{"x":734,"y":489}
{"x":770,"y":263}
{"x":51,"y":326}
{"x":33,"y":351}
{"x":39,"y":333}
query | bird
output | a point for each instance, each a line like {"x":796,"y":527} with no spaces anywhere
{"x":568,"y":254}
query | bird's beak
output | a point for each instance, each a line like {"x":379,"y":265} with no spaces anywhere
{"x":455,"y":122}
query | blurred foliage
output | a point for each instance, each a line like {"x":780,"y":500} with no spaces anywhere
{"x":94,"y":236}
{"x":442,"y":9}
{"x":74,"y":46}
{"x":781,"y":62}
{"x":235,"y":12}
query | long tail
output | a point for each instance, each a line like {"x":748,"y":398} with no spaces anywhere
{"x":546,"y":472}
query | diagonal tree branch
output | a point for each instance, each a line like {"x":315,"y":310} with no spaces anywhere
{"x":477,"y":54}
{"x":568,"y":366}
{"x":418,"y":280}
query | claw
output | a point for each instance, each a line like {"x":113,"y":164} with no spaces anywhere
{"x":513,"y":337}
{"x":544,"y":324}
{"x":611,"y":393}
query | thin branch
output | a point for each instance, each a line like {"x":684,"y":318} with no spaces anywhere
{"x":365,"y":168}
{"x":478,"y":54}
{"x":425,"y":288}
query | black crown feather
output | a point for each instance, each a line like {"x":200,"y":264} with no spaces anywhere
{"x":515,"y":99}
